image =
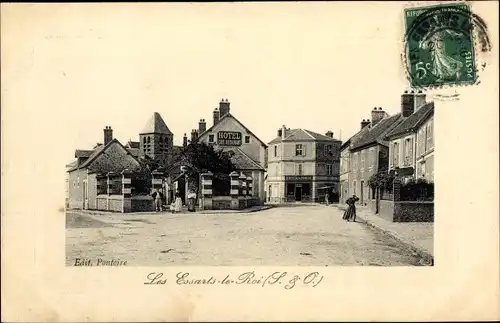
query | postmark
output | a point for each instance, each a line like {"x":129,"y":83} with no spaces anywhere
{"x":440,"y":45}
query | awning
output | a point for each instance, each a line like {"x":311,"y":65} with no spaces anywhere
{"x":325,"y":187}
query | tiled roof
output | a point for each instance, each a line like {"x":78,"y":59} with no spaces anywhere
{"x":83,"y":153}
{"x":229,"y":115}
{"x":413,"y":121}
{"x":242,"y":162}
{"x":134,"y":151}
{"x":300,"y":134}
{"x":72,"y":164}
{"x":133,"y":144}
{"x":354,"y":139}
{"x":156,"y":125}
{"x":377,"y":133}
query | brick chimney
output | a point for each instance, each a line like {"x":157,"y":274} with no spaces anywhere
{"x":407,"y":103}
{"x":364,"y":123}
{"x":185,"y":141}
{"x":108,"y":135}
{"x":216,"y":116}
{"x":419,"y":100}
{"x":280,"y":131}
{"x":202,"y":126}
{"x":223,"y":107}
{"x":329,"y":134}
{"x":377,"y":115}
{"x":194,"y":135}
{"x":283,"y":132}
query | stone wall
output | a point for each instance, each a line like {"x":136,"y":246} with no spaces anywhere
{"x":405,"y":211}
{"x":115,"y":203}
{"x":102,"y":202}
{"x":221,"y":203}
{"x":142,"y":204}
{"x":414,"y":211}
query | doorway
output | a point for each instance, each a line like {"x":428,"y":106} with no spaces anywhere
{"x":298,"y":193}
{"x":85,"y":196}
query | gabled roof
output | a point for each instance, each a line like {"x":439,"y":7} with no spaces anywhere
{"x":133,"y":144}
{"x":411,"y":123}
{"x":98,"y":151}
{"x":242,"y":161}
{"x":156,"y":125}
{"x":229,"y":115}
{"x":354,"y":139}
{"x":79,"y":153}
{"x":134,"y":151}
{"x":300,"y":134}
{"x":72,"y":164}
{"x":376,"y":134}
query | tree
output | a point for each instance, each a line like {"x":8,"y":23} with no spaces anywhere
{"x":201,"y":158}
{"x":380,"y":181}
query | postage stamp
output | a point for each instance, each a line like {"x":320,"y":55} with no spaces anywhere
{"x":440,"y":45}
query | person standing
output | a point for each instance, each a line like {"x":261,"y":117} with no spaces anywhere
{"x":350,"y":213}
{"x":327,"y":198}
{"x":157,"y":196}
{"x":178,"y":203}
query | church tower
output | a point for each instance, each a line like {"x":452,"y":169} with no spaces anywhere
{"x":156,"y":140}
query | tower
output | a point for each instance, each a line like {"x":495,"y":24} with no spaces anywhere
{"x":156,"y":140}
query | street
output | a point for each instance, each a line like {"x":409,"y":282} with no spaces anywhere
{"x":312,"y":235}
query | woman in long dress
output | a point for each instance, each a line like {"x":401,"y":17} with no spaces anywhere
{"x":350,"y":213}
{"x":178,"y":203}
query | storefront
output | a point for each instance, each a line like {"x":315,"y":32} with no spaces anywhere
{"x":298,"y":188}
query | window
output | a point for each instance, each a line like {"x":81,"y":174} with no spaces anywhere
{"x":395,"y":154}
{"x":210,"y":138}
{"x":247,"y":139}
{"x":275,"y":151}
{"x":363,"y":153}
{"x":329,"y":150}
{"x":144,"y":140}
{"x":166,"y":140}
{"x":298,"y":169}
{"x":298,"y":150}
{"x":430,"y":137}
{"x":149,"y":140}
{"x":408,"y":148}
{"x":329,"y":169}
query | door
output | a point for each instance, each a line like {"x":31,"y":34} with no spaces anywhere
{"x":298,"y":193}
{"x":361,"y":191}
{"x":269,"y":194}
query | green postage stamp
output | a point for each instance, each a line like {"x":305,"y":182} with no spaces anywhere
{"x":439,"y":45}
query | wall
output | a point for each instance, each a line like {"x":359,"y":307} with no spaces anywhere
{"x":142,"y":204}
{"x":405,"y":211}
{"x":255,"y":149}
{"x":364,"y":163}
{"x":75,"y":188}
{"x":92,"y":190}
{"x":425,"y":150}
{"x":115,"y":203}
{"x":399,"y":159}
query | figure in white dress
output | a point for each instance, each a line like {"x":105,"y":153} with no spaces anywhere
{"x":443,"y":65}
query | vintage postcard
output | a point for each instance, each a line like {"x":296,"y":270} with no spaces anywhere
{"x":236,"y":161}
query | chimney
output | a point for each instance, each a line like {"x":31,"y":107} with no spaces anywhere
{"x":364,"y":123}
{"x":185,"y":141}
{"x":202,"y":126}
{"x":194,"y":135}
{"x":419,"y":100}
{"x":329,"y":134}
{"x":377,"y":115}
{"x":280,"y":131}
{"x":283,"y":132}
{"x":108,"y":135}
{"x":407,"y":103}
{"x":223,"y":107}
{"x":216,"y":116}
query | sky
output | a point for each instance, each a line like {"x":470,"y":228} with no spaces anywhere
{"x":302,"y":65}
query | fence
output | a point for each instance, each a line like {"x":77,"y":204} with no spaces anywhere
{"x":419,"y":191}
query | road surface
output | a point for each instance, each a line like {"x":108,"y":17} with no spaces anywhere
{"x":297,"y":236}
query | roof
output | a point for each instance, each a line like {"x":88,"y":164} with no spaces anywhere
{"x":354,"y":139}
{"x":411,"y":123}
{"x":229,"y":115}
{"x":134,"y":151}
{"x":95,"y":153}
{"x":72,"y":164}
{"x":133,"y":144}
{"x":376,"y":134}
{"x":156,"y":125}
{"x":300,"y":134}
{"x":242,"y":161}
{"x":79,"y":153}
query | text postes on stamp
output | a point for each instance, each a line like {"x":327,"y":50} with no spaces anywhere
{"x":439,"y":45}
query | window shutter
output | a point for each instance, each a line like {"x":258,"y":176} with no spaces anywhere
{"x":304,"y":150}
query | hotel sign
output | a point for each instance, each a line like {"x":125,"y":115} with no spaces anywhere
{"x":229,"y":138}
{"x":299,"y":178}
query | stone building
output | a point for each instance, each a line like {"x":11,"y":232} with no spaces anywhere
{"x":302,"y":166}
{"x":249,"y":154}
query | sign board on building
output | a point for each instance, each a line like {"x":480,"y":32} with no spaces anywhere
{"x":229,"y":138}
{"x":299,"y":178}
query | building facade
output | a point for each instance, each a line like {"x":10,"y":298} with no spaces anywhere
{"x":302,"y":166}
{"x":412,"y":144}
{"x":229,"y":134}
